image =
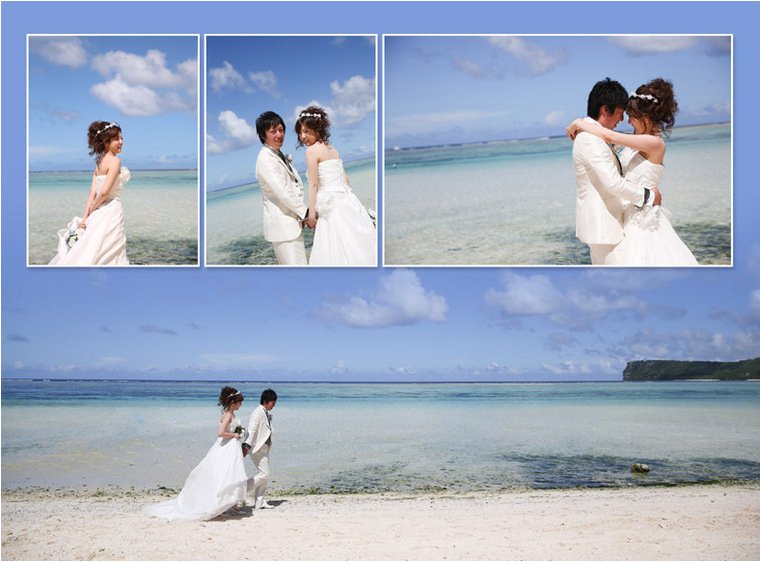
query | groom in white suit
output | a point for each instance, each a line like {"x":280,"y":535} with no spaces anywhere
{"x":258,"y":444}
{"x":282,"y":193}
{"x":602,"y":191}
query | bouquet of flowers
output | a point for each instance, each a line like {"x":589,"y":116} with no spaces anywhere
{"x":71,"y":237}
{"x":72,"y":232}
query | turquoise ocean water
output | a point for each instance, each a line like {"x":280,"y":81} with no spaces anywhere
{"x":161,"y":214}
{"x":234,"y":218}
{"x":513,"y":202}
{"x":388,"y":437}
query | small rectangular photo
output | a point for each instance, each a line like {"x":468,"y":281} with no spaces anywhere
{"x":291,"y":175}
{"x":113,"y":148}
{"x":507,"y":150}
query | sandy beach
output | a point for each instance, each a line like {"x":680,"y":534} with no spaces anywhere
{"x":708,"y":522}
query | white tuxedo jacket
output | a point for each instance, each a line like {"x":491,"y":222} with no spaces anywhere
{"x":601,"y":192}
{"x":259,"y":429}
{"x":282,"y":197}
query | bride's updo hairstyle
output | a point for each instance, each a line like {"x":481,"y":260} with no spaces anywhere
{"x":656,"y":101}
{"x":315,"y":118}
{"x":229,"y":396}
{"x":99,"y":135}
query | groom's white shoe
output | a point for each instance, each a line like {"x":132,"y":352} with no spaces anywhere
{"x":262,"y":504}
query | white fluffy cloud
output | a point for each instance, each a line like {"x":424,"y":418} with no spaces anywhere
{"x":525,"y":296}
{"x":530,"y":57}
{"x":584,"y":368}
{"x":129,"y":99}
{"x":399,"y":301}
{"x":472,"y":68}
{"x":653,"y":44}
{"x":237,"y":134}
{"x":554,"y":117}
{"x":352,"y":100}
{"x":689,"y":344}
{"x":138,"y":100}
{"x":150,"y":70}
{"x":62,"y":51}
{"x":226,"y":78}
{"x":145,"y":85}
{"x":266,"y":81}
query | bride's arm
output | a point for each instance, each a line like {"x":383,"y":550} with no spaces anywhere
{"x":226,"y":417}
{"x":313,"y":177}
{"x":114,"y":167}
{"x":90,"y":199}
{"x":644,"y":143}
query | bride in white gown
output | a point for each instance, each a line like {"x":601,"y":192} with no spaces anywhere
{"x":219,"y":481}
{"x":98,"y":237}
{"x":649,"y":238}
{"x":344,"y":231}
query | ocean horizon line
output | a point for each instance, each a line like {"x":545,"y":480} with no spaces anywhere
{"x":131,"y":169}
{"x":255,"y":183}
{"x":521,"y":139}
{"x":359,"y":382}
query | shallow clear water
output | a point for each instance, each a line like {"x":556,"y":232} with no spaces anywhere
{"x":389,"y":437}
{"x":161,"y":214}
{"x":513,"y":202}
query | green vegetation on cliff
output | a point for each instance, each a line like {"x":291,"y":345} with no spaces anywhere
{"x":682,"y":370}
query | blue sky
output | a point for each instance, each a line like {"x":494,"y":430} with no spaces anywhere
{"x":384,"y":324}
{"x":374,"y":324}
{"x":444,"y":90}
{"x":251,"y":74}
{"x":148,"y":84}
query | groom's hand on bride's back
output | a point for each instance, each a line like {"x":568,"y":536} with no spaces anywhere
{"x":657,"y":196}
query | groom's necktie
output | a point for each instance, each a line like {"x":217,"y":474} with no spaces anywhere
{"x":618,"y":162}
{"x":288,"y":166}
{"x":280,"y":155}
{"x":284,"y":159}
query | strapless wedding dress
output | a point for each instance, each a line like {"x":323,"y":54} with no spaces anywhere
{"x":103,"y":241}
{"x":345,"y":233}
{"x":649,"y":237}
{"x":214,"y":486}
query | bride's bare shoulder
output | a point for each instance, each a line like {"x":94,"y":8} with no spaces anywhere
{"x":322,"y":151}
{"x":111,"y":160}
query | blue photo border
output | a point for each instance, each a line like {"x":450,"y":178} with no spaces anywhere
{"x":740,"y":19}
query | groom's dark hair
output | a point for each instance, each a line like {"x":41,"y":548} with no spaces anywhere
{"x":268,"y":395}
{"x":606,"y":93}
{"x":265,"y":122}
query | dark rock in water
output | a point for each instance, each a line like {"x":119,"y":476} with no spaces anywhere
{"x":640,"y":468}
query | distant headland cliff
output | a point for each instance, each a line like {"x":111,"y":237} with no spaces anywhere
{"x":683,"y":370}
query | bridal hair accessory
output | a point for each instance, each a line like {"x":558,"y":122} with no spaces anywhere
{"x":645,"y":97}
{"x":104,"y":129}
{"x":305,"y":114}
{"x":234,"y":394}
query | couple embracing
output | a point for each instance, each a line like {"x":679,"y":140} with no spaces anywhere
{"x":618,"y":201}
{"x":344,"y":230}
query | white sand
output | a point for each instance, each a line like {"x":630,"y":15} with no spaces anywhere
{"x":684,"y":523}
